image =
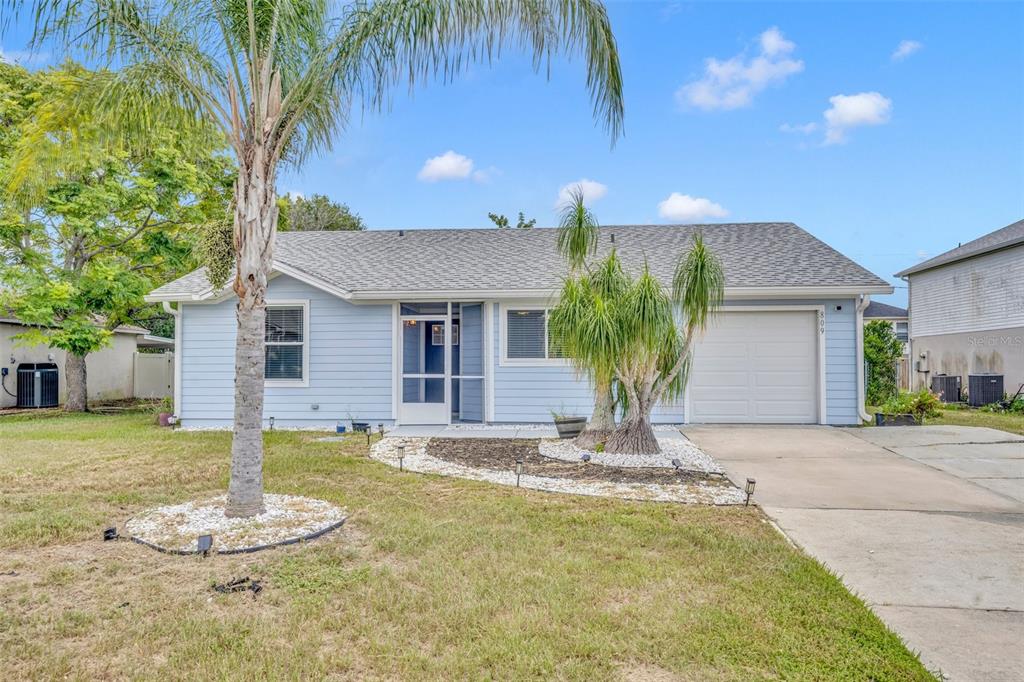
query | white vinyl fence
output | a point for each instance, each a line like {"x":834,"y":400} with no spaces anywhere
{"x":154,"y":375}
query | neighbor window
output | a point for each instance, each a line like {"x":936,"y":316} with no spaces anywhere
{"x":527,"y":336}
{"x":286,"y":342}
{"x":902,"y":332}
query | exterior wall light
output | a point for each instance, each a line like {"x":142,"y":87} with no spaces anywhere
{"x":519,"y":469}
{"x":749,"y":490}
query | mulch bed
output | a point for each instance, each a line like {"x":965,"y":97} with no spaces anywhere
{"x":501,"y":454}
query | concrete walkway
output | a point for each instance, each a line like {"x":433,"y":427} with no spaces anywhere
{"x":926,"y":524}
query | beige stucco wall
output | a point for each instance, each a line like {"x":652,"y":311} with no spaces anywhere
{"x":999,"y":351}
{"x":110,"y":373}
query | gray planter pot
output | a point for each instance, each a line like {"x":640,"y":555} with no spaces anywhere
{"x":882,"y":419}
{"x":570,"y":427}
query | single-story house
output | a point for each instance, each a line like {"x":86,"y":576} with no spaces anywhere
{"x":967,"y":310}
{"x":441,"y":326}
{"x":111,"y":371}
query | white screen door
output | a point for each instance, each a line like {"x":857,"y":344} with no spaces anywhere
{"x":424,"y":362}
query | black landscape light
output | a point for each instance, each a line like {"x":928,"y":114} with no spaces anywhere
{"x":204,"y":544}
{"x":677,"y":464}
{"x":380,"y":430}
{"x":585,"y":456}
{"x":519,"y":469}
{"x":271,"y":423}
{"x":749,"y":489}
{"x":401,"y":456}
{"x":109,"y":533}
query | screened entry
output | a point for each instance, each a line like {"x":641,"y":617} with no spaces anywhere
{"x":442,"y":363}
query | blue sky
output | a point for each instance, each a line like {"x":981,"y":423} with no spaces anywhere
{"x":811,"y":113}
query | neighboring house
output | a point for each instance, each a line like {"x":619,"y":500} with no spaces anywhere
{"x":898,"y":320}
{"x":439,"y":326}
{"x":111,"y":371}
{"x":967,"y":310}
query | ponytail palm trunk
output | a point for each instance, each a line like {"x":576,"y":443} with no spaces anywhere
{"x":278,"y":78}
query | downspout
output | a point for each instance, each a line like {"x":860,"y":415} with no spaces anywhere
{"x":176,"y":314}
{"x":862,"y":304}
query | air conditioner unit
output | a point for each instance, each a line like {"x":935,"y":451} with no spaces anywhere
{"x":37,"y":384}
{"x":984,"y":389}
{"x":947,"y":387}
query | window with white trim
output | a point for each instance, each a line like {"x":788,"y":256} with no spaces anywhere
{"x":902,"y":331}
{"x":527,"y":336}
{"x":286,"y":342}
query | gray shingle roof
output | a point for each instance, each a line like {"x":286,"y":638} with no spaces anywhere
{"x":752,"y":254}
{"x":1003,"y":238}
{"x":884,"y":310}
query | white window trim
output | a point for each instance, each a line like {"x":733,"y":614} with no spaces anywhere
{"x":505,"y":360}
{"x":294,"y":383}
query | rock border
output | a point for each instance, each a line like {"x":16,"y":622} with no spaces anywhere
{"x":288,"y":520}
{"x":691,"y":457}
{"x":418,"y":461}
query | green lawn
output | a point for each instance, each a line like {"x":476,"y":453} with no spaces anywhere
{"x":1004,"y":421}
{"x":432,"y":578}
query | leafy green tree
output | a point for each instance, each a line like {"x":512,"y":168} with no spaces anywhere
{"x":882,"y":350}
{"x":630,"y":330}
{"x":501,"y":221}
{"x":89,"y":226}
{"x":278,"y":77}
{"x":316,"y":214}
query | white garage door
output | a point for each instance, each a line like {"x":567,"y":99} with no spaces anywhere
{"x":756,"y":368}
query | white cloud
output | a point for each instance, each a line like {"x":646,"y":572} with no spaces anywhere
{"x":448,"y":166}
{"x":592,"y":191}
{"x":905,"y":49}
{"x":804,"y":129}
{"x":733,"y":83}
{"x":853,"y":111}
{"x":685,"y":208}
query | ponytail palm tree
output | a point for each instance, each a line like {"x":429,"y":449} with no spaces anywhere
{"x":279,"y":78}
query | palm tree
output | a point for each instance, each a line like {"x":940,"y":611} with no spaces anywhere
{"x":624,"y":332}
{"x":654,"y":361}
{"x":279,"y":77}
{"x":581,"y":323}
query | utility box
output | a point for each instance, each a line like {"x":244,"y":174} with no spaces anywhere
{"x":947,"y":387}
{"x":984,"y":389}
{"x":37,"y":384}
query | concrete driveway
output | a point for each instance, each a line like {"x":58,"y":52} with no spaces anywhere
{"x":926,"y":524}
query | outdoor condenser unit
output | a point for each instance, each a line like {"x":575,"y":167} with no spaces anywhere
{"x":947,"y":387}
{"x":37,"y":384}
{"x":984,"y":389}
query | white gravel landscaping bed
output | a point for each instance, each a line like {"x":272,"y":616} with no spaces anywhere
{"x":286,"y":518}
{"x":417,"y":460}
{"x":689,"y":455}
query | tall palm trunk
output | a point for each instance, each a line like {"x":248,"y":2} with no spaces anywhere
{"x":75,"y":377}
{"x":255,"y":225}
{"x":602,"y":420}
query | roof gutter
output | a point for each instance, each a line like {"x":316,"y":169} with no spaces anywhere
{"x":862,"y":304}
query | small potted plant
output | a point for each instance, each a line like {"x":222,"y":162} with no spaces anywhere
{"x":908,"y":409}
{"x":568,"y":426}
{"x":165,"y":411}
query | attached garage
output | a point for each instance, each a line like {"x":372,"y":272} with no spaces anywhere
{"x":758,"y":367}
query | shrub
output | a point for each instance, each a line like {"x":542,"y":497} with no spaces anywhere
{"x":882,"y":350}
{"x":921,"y":404}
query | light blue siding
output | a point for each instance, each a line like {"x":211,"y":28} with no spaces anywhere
{"x":349,"y":362}
{"x":527,"y":394}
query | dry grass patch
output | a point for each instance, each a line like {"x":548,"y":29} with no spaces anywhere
{"x":430,"y":578}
